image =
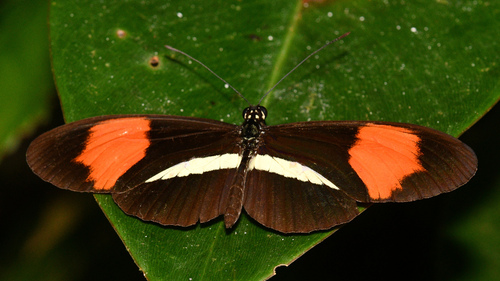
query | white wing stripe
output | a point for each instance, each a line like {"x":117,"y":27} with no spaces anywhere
{"x":199,"y":166}
{"x":288,"y":169}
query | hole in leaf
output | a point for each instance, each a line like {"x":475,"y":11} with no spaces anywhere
{"x":154,"y":61}
{"x":121,"y":33}
{"x":254,"y":37}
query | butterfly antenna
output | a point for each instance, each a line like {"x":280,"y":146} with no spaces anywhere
{"x":211,"y":71}
{"x":300,"y":63}
{"x":267,"y":93}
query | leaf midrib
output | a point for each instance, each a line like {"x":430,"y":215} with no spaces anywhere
{"x":285,"y":48}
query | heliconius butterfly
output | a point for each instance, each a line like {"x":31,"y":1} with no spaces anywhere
{"x":293,"y":178}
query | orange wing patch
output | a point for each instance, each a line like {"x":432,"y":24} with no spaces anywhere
{"x":112,"y":148}
{"x":383,"y":156}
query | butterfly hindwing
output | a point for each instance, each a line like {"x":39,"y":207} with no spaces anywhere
{"x":180,"y":201}
{"x":292,"y":206}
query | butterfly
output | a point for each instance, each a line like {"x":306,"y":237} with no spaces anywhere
{"x":292,"y":178}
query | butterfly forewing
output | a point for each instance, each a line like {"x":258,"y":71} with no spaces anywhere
{"x":52,"y":155}
{"x":182,"y":146}
{"x":375,"y":161}
{"x":320,"y":146}
{"x":447,"y":164}
{"x":112,"y":154}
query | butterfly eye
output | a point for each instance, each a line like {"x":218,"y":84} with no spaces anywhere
{"x":263,"y":112}
{"x":245,"y":112}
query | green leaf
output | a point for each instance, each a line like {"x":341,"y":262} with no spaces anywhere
{"x":25,"y":78}
{"x":430,"y":63}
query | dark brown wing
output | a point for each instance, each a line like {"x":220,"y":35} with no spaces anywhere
{"x":292,"y":206}
{"x":366,"y":161}
{"x":181,"y":201}
{"x":118,"y":154}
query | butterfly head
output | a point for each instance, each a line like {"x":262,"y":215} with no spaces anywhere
{"x":255,"y":114}
{"x":255,"y":120}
